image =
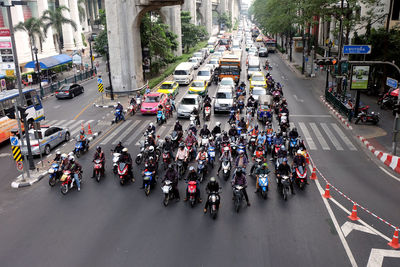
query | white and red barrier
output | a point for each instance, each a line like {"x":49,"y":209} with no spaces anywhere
{"x":341,"y":118}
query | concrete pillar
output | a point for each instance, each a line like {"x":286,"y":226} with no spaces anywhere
{"x":96,"y":8}
{"x":332,"y":27}
{"x":85,"y":25}
{"x":190,"y":5}
{"x":321,"y":34}
{"x":48,"y":48}
{"x":223,"y":6}
{"x":22,"y":43}
{"x":206,"y":10}
{"x":231,"y":10}
{"x":173,"y":20}
{"x":67,"y":30}
{"x":73,"y":6}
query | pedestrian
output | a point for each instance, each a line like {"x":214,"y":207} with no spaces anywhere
{"x":83,"y":51}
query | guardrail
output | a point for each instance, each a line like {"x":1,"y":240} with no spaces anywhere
{"x":140,"y":90}
{"x":338,"y":105}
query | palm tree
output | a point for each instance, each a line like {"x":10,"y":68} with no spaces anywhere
{"x":33,"y":27}
{"x":55,"y":19}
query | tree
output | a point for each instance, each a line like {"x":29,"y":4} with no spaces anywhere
{"x":33,"y":27}
{"x":56,"y":19}
{"x":225,"y":19}
{"x":82,"y":10}
{"x":191,"y":34}
{"x":101,"y":40}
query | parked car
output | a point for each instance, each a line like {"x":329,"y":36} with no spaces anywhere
{"x":263,"y":52}
{"x":187,"y":104}
{"x":69,"y":90}
{"x":169,"y":88}
{"x":151,"y":102}
{"x":46,"y":139}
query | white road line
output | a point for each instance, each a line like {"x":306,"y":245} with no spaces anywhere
{"x":60,"y":123}
{"x":115,"y":132}
{"x":307,"y":136}
{"x":162,"y":131}
{"x":310,"y":116}
{"x":140,"y":131}
{"x":333,"y":139}
{"x":388,"y":173}
{"x":51,"y":122}
{"x":344,"y":137}
{"x":69,"y":123}
{"x":292,"y":125}
{"x":127,"y":131}
{"x":319,"y":136}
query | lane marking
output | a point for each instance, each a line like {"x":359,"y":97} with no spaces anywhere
{"x":97,"y":140}
{"x":344,"y":137}
{"x":298,"y":99}
{"x":140,"y":131}
{"x":377,"y":255}
{"x":307,"y":136}
{"x":310,"y":116}
{"x":83,"y":110}
{"x":347,"y":227}
{"x":388,"y":173}
{"x":320,"y":138}
{"x":115,"y":132}
{"x":128,"y":131}
{"x":333,"y":139}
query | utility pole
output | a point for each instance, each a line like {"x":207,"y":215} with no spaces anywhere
{"x":109,"y":73}
{"x":389,"y":16}
{"x":340,"y":52}
{"x":18,"y":74}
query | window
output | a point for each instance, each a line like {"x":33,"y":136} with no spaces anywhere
{"x":49,"y":131}
{"x":28,"y":99}
{"x":165,"y":86}
{"x":152,"y":99}
{"x":180,"y":72}
{"x":396,"y":10}
{"x":258,"y":78}
{"x":203,"y":73}
{"x":188,"y":101}
{"x":224,"y":96}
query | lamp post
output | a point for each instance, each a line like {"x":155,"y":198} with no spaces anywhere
{"x":38,"y":71}
{"x":109,"y":73}
{"x":91,"y":51}
{"x":328,"y":68}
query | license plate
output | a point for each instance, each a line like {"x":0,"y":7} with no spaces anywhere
{"x":212,"y":154}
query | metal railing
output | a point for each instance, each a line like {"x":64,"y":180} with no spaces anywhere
{"x":140,"y":90}
{"x":338,"y":105}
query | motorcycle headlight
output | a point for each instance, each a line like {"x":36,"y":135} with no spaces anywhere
{"x":51,"y":171}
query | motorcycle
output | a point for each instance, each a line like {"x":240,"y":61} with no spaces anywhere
{"x":123,"y":173}
{"x":263,"y":185}
{"x":270,"y":146}
{"x":168,"y":111}
{"x":207,"y":112}
{"x":192,"y":190}
{"x":257,"y":164}
{"x":278,"y":162}
{"x":285,"y":186}
{"x":148,"y":181}
{"x":204,"y":141}
{"x":167,"y":190}
{"x":234,"y":151}
{"x":54,"y":174}
{"x":166,"y":158}
{"x":80,"y":147}
{"x":193,"y":119}
{"x":98,"y":169}
{"x":67,"y":181}
{"x":119,"y":116}
{"x":366,"y":117}
{"x":211,"y":155}
{"x":218,"y":141}
{"x":160,"y":117}
{"x":174,"y":139}
{"x":213,"y":201}
{"x":293,"y":146}
{"x":301,"y":176}
{"x":115,"y":162}
{"x":226,"y":169}
{"x":252,"y":142}
{"x":241,"y":105}
{"x":190,"y":149}
{"x":132,"y":109}
{"x":201,"y":169}
{"x":143,"y":151}
{"x":181,"y":168}
{"x":237,"y":196}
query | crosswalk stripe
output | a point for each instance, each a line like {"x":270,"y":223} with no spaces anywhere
{"x":68,"y":123}
{"x":292,"y":125}
{"x":50,"y":122}
{"x":319,"y":136}
{"x":133,"y":137}
{"x":333,"y":139}
{"x":307,"y":136}
{"x":128,"y":131}
{"x":61,"y":123}
{"x":115,"y":132}
{"x":76,"y":126}
{"x":343,"y":137}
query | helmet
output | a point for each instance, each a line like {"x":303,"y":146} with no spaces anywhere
{"x":265,"y":165}
{"x":167,"y":138}
{"x":205,"y":126}
{"x":285,"y":160}
{"x":202,"y":149}
{"x":241,"y":152}
{"x":177,"y":121}
{"x":226,"y":149}
{"x":299,"y":151}
{"x":242,"y":119}
{"x":238,"y":171}
{"x":98,"y":148}
{"x":125,"y":150}
{"x":294,"y":129}
{"x":151,"y":149}
{"x":64,"y":156}
{"x":256,"y":127}
{"x":181,"y":144}
{"x":225,"y":133}
{"x":212,"y":180}
{"x":218,"y":124}
{"x":58,"y":152}
{"x":119,"y":143}
{"x":70,"y":154}
{"x":259,"y":147}
{"x":283,"y":147}
{"x":151,"y":124}
{"x":190,"y":132}
{"x":119,"y":103}
{"x":191,"y":168}
{"x":71,"y":158}
{"x":82,"y":131}
{"x":170,"y":166}
{"x":211,"y":138}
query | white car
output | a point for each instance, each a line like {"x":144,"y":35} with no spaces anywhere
{"x":199,"y":56}
{"x":227,"y":82}
{"x":257,"y":91}
{"x":221,"y":49}
{"x":187,"y":104}
{"x":195,"y":61}
{"x":204,"y":74}
{"x":214,"y":61}
{"x":223,"y":100}
{"x":217,"y":54}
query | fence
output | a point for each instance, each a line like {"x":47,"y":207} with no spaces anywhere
{"x":338,"y":104}
{"x":48,"y":89}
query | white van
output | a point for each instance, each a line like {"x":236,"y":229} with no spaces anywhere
{"x":184,"y":73}
{"x":253,"y":66}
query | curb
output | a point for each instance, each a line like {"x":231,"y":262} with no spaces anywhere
{"x":388,"y":159}
{"x":104,"y":106}
{"x":340,"y":117}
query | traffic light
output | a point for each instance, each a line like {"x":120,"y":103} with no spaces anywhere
{"x":396,"y":109}
{"x":326,"y":61}
{"x":22,"y":112}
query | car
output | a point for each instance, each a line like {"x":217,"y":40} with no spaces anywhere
{"x":227,"y":82}
{"x":223,"y":100}
{"x":258,"y":80}
{"x":263,"y":52}
{"x":200,"y":56}
{"x":259,"y":38}
{"x":187,"y":104}
{"x":217,"y":54}
{"x":151,"y":101}
{"x":257,"y":92}
{"x":198,"y":87}
{"x":195,"y":61}
{"x":169,"y":88}
{"x":221,"y":49}
{"x":205,"y":74}
{"x":69,"y":90}
{"x":45,"y":139}
{"x":211,"y":48}
{"x":214,"y":61}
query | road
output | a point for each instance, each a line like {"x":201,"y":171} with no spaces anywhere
{"x":106,"y":224}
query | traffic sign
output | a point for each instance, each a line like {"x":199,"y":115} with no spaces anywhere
{"x":99,"y":80}
{"x":20,"y":166}
{"x":391,"y":82}
{"x":357,"y":49}
{"x":3,"y":84}
{"x":14,"y":141}
{"x":16,"y":153}
{"x":100,"y":87}
{"x":30,"y":79}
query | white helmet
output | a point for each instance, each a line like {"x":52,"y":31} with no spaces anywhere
{"x":71,"y":158}
{"x":64,"y":156}
{"x":151,"y":148}
{"x":151,"y":124}
{"x":125,"y":149}
{"x":226,"y":149}
{"x":299,"y":151}
{"x":70,"y":154}
{"x":218,"y":124}
{"x":58,"y":152}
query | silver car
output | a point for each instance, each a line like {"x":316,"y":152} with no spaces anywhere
{"x":45,"y":139}
{"x":187,"y":104}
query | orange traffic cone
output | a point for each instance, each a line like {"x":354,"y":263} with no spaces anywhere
{"x":327,"y":194}
{"x":82,"y":127}
{"x":307,"y":158}
{"x":89,"y":131}
{"x":314,"y":174}
{"x":353,"y":215}
{"x":395,"y":241}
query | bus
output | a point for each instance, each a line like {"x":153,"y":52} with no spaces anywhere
{"x":32,"y":103}
{"x":270,"y":44}
{"x":229,"y":66}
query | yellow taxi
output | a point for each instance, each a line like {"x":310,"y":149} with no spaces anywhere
{"x":259,"y":38}
{"x":198,"y":87}
{"x":169,"y":88}
{"x":258,"y":80}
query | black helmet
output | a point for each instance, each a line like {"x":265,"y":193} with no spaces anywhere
{"x":98,"y":148}
{"x":170,"y":166}
{"x":182,"y":144}
{"x":238,"y":171}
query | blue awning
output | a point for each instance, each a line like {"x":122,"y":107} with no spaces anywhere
{"x":49,"y":62}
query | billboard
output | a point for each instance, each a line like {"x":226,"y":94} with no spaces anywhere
{"x":359,"y":77}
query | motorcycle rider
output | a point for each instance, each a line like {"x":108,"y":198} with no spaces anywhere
{"x":151,"y":129}
{"x":127,"y":159}
{"x":178,"y":128}
{"x":239,"y":178}
{"x":83,"y":138}
{"x":202,"y":155}
{"x":118,"y":148}
{"x":251,"y":101}
{"x":225,"y":137}
{"x":192,"y":128}
{"x":284,"y":169}
{"x":293,"y":134}
{"x":242,"y":124}
{"x":172,"y":176}
{"x":224,"y":156}
{"x":241,"y":161}
{"x":196,"y":113}
{"x":120,"y":108}
{"x":242,"y":143}
{"x":75,"y":168}
{"x":168,"y":145}
{"x":262,"y":170}
{"x":261,"y":138}
{"x":254,"y":131}
{"x":152,"y":153}
{"x":99,"y":154}
{"x":278,"y":140}
{"x":182,"y":154}
{"x":193,"y":177}
{"x":269,"y":129}
{"x":212,"y":187}
{"x":217,"y":129}
{"x":299,"y":161}
{"x":233,"y":131}
{"x":207,"y":103}
{"x":191,"y":139}
{"x":205,"y":131}
{"x":151,"y":166}
{"x":57,"y":158}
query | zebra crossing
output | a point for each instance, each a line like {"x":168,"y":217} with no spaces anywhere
{"x":74,"y":126}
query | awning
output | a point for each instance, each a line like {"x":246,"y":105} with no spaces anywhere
{"x":49,"y":62}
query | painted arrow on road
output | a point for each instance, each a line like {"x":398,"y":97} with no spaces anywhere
{"x":347,"y":227}
{"x":377,"y":255}
{"x":298,"y":99}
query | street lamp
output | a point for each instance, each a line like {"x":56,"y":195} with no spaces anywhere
{"x":109,"y":72}
{"x":37,"y":70}
{"x":330,"y":44}
{"x":91,"y":51}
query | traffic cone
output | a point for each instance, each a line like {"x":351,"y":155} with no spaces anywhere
{"x":327,"y":194}
{"x":395,"y":241}
{"x":353,"y":215}
{"x":307,"y":158}
{"x":314,"y":174}
{"x":82,"y":127}
{"x":89,"y":131}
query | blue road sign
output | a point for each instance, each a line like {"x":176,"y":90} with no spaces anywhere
{"x":391,"y":82}
{"x":99,"y":80}
{"x":357,"y":49}
{"x":14,"y":141}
